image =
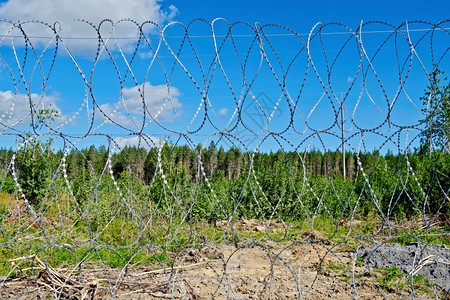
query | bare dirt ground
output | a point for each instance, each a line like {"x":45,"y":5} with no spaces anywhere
{"x":311,"y":268}
{"x":258,"y":271}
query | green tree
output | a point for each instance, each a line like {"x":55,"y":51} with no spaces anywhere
{"x":34,"y":161}
{"x":435,"y":173}
{"x":437,"y":112}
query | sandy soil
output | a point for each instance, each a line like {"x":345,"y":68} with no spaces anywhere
{"x":307,"y":270}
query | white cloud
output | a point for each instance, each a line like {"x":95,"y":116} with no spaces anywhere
{"x":145,"y":54}
{"x":146,"y":142}
{"x":94,"y":11}
{"x":223,"y":111}
{"x":15,"y":107}
{"x":350,"y":79}
{"x":173,"y":12}
{"x":161,"y":103}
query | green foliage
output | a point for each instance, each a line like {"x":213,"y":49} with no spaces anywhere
{"x":393,"y":278}
{"x":437,"y":112}
{"x":33,"y":165}
{"x":35,"y":160}
{"x":83,"y":187}
{"x":279,"y":185}
{"x":7,"y":184}
{"x":390,"y":276}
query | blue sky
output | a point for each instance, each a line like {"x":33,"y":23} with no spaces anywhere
{"x":302,"y":15}
{"x":175,"y":102}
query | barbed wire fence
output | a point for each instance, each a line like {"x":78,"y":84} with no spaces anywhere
{"x":229,"y":160}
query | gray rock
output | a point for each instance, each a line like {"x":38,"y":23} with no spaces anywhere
{"x":431,"y":261}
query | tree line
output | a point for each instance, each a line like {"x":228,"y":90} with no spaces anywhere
{"x":216,"y":183}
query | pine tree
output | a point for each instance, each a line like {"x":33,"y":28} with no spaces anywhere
{"x":437,"y":112}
